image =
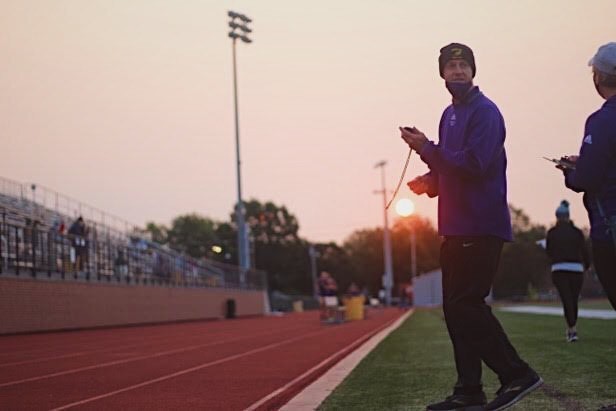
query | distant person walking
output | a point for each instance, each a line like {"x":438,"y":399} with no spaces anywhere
{"x":406,"y":295}
{"x":467,"y":172}
{"x":595,"y":170}
{"x":566,"y":247}
{"x":328,"y":290}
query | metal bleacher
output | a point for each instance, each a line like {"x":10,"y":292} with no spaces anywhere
{"x":34,"y":221}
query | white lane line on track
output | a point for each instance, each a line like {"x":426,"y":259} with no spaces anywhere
{"x":312,"y":396}
{"x":186,"y":371}
{"x":280,"y":390}
{"x":109,"y":350}
{"x":57,"y":357}
{"x":87,"y":341}
{"x":105,"y":344}
{"x":127,"y":360}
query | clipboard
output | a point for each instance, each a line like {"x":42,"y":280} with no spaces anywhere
{"x":563,"y":163}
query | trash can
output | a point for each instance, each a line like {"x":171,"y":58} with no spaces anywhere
{"x":230,"y":308}
{"x":354,"y":308}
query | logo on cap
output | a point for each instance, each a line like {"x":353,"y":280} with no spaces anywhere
{"x":456,"y":53}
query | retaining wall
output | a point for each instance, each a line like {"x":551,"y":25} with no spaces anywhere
{"x":31,"y":305}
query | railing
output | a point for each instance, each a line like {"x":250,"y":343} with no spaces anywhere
{"x":115,"y":249}
{"x":102,"y":256}
{"x":49,"y":204}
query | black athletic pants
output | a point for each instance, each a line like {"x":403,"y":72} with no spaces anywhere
{"x":604,"y":257}
{"x":469,"y":265}
{"x":569,"y":285}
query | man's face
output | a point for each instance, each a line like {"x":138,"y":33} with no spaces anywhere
{"x":458,"y":71}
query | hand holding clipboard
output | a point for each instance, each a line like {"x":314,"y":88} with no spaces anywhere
{"x":563,"y":163}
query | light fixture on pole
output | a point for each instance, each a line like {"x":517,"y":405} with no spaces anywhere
{"x":405,"y":208}
{"x":239,"y":30}
{"x":388,"y":277}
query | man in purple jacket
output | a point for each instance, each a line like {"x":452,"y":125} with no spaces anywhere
{"x":595,"y":170}
{"x":467,"y":172}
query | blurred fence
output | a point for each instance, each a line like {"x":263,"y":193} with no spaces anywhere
{"x":284,"y":302}
{"x":28,"y":248}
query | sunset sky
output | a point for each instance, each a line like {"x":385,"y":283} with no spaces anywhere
{"x":127,"y":105}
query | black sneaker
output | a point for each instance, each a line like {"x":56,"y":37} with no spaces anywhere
{"x":608,"y":408}
{"x":460,"y":402}
{"x":513,"y":392}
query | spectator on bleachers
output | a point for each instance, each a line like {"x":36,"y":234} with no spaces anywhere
{"x":31,"y":236}
{"x":120,"y":264}
{"x":85,"y":255}
{"x":78,"y":231}
{"x":53,"y":242}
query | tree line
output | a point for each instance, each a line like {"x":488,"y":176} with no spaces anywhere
{"x":277,"y":249}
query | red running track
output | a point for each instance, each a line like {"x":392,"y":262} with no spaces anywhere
{"x":255,"y":363}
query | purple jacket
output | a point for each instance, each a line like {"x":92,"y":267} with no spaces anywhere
{"x":468,"y":169}
{"x":595,"y":172}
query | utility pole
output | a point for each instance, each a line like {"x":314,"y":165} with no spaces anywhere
{"x":313,"y":253}
{"x":388,"y":277}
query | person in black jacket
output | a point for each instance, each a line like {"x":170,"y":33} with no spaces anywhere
{"x":566,"y":247}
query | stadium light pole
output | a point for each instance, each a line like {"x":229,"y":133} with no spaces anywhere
{"x":388,"y":279}
{"x":238,"y":24}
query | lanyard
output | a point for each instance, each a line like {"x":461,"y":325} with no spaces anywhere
{"x":400,"y":181}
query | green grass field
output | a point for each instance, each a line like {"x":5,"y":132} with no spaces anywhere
{"x":414,"y":365}
{"x":592,"y":304}
{"x":601,"y":304}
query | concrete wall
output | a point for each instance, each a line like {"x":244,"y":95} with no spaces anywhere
{"x":28,"y":305}
{"x":428,"y":290}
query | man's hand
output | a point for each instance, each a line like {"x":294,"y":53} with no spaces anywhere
{"x":570,"y":159}
{"x":419,"y":185}
{"x":414,"y":138}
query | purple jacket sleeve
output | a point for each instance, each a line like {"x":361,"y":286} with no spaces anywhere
{"x":593,"y":162}
{"x":484,"y":143}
